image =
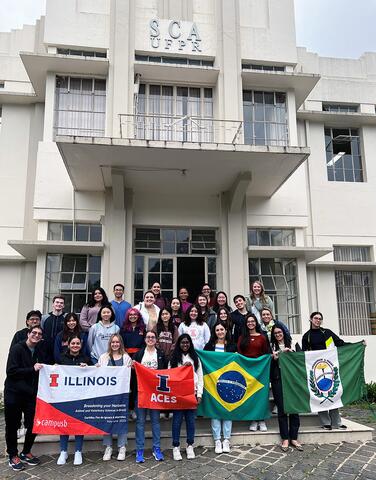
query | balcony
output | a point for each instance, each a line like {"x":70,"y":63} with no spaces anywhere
{"x":189,"y":154}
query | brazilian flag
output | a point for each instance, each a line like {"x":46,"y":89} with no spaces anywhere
{"x":235,"y":387}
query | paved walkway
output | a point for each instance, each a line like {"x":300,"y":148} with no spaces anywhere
{"x":344,"y":461}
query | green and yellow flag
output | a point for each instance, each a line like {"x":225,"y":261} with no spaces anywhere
{"x":235,"y":387}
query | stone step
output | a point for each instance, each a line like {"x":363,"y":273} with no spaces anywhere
{"x":310,"y":432}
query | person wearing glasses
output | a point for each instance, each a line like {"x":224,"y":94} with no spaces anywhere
{"x":150,"y":357}
{"x":33,"y":319}
{"x":20,"y":391}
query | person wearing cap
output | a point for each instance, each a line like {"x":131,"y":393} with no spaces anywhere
{"x":33,"y":319}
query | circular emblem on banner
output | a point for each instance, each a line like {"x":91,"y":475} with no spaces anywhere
{"x":231,"y":386}
{"x":323,"y":372}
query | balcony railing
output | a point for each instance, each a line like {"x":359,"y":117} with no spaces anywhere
{"x":198,"y":129}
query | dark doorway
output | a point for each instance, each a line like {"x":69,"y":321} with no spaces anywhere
{"x":191,"y":274}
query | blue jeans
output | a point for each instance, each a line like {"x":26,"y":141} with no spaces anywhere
{"x":217,"y":425}
{"x":121,"y":440}
{"x":177,"y":420}
{"x":79,"y":440}
{"x":140,"y":427}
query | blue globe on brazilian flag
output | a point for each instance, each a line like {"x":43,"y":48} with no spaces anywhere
{"x":235,"y":387}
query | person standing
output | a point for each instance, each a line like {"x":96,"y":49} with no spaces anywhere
{"x":160,"y":300}
{"x":195,"y":326}
{"x":258,"y":299}
{"x":100,"y":333}
{"x":52,"y":324}
{"x":20,"y":392}
{"x":89,"y":312}
{"x":149,"y":310}
{"x":119,"y":305}
{"x":239,"y":315}
{"x":288,"y":424}
{"x":33,"y":319}
{"x":318,"y":338}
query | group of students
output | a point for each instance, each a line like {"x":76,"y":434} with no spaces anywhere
{"x":158,"y":333}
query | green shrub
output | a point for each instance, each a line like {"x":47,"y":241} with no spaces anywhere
{"x":371,"y":392}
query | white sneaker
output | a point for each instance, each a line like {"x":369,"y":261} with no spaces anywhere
{"x":190,"y":452}
{"x":121,"y":454}
{"x":62,"y":460}
{"x":226,"y":446}
{"x":253,"y":426}
{"x":107,"y":454}
{"x":262,"y":426}
{"x":176,"y":455}
{"x":77,"y":458}
{"x":133,"y":415}
{"x":218,"y":447}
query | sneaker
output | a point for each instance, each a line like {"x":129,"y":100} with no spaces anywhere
{"x":133,"y":415}
{"x":342,"y":427}
{"x":190,"y":452}
{"x":218,"y":447}
{"x":140,"y":456}
{"x":253,"y":426}
{"x":262,"y":426}
{"x":176,"y":455}
{"x":29,"y":459}
{"x":327,"y":427}
{"x":107,"y":454}
{"x":121,"y":454}
{"x":226,"y":446}
{"x":77,"y":458}
{"x":62,"y":460}
{"x":157,"y":454}
{"x":16,"y":464}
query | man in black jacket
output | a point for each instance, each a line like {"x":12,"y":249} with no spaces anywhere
{"x":20,"y":391}
{"x":52,"y":324}
{"x":33,"y":319}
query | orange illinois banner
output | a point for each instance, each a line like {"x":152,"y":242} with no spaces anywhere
{"x":170,"y":389}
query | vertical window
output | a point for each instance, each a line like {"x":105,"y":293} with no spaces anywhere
{"x":80,"y":106}
{"x":346,"y":253}
{"x":343,"y":157}
{"x":73,"y":276}
{"x":166,"y":112}
{"x":280,"y":280}
{"x":265,"y":118}
{"x":355,"y":302}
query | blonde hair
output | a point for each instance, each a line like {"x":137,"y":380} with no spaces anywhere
{"x":262,"y":296}
{"x":121,"y":349}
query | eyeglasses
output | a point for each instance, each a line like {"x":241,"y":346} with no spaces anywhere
{"x":36,"y":334}
{"x":150,"y":337}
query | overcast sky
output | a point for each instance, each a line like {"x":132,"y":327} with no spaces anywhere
{"x":338,"y":28}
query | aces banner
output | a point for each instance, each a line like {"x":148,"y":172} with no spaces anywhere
{"x":170,"y":389}
{"x":82,"y":400}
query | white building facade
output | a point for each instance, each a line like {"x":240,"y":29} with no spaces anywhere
{"x":186,"y":141}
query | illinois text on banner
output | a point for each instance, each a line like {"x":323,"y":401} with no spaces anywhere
{"x":82,"y":400}
{"x":322,"y":379}
{"x":235,"y":387}
{"x":169,"y":389}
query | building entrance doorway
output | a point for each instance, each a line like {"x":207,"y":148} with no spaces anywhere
{"x":191,"y":274}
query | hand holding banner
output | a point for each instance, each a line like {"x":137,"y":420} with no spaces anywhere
{"x":169,"y":389}
{"x":76,"y":401}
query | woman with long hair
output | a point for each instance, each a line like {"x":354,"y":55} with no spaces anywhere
{"x":195,"y":326}
{"x":176,"y":311}
{"x":220,"y":341}
{"x":115,"y":356}
{"x":160,"y":300}
{"x":208,"y":314}
{"x":224,"y":316}
{"x":133,"y":335}
{"x":149,"y":310}
{"x":89,"y":312}
{"x":252,"y":343}
{"x":71,"y":327}
{"x":221,"y":302}
{"x":73,"y":356}
{"x":207,"y":291}
{"x":288,"y":424}
{"x":268,"y":321}
{"x":101,"y":332}
{"x":150,"y":357}
{"x":257,"y":300}
{"x":184,"y":354}
{"x":167,"y":333}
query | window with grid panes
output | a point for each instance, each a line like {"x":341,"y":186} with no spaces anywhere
{"x":80,"y":232}
{"x":73,"y":276}
{"x":272,"y":237}
{"x":343,"y":156}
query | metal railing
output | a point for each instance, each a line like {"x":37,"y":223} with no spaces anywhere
{"x":187,"y":128}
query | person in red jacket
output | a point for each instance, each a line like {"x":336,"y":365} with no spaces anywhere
{"x":252,"y":343}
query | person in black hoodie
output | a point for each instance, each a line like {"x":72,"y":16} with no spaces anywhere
{"x":20,"y":390}
{"x":33,"y":319}
{"x":52,"y":324}
{"x":318,"y":338}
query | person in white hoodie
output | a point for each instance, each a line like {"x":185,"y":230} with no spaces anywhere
{"x":195,"y":326}
{"x":100,"y":333}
